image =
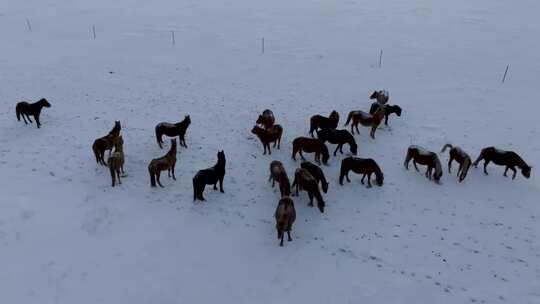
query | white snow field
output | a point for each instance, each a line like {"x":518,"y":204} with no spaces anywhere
{"x":67,"y":236}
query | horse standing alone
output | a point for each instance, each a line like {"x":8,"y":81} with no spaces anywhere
{"x":172,"y":130}
{"x":26,"y":109}
{"x":509,"y":159}
{"x":285,"y":216}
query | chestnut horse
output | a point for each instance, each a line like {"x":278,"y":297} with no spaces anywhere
{"x":509,"y":159}
{"x":365,"y":166}
{"x":310,"y":145}
{"x":26,"y":109}
{"x":210,"y":176}
{"x":303,"y":180}
{"x":339,"y":137}
{"x":461,"y":157}
{"x":166,"y":162}
{"x":285,"y":216}
{"x":172,"y":130}
{"x":381,"y":96}
{"x":317,"y":173}
{"x":105,"y":143}
{"x":266,"y":119}
{"x":422,"y":156}
{"x":116,"y":160}
{"x":366,"y":120}
{"x":388,"y":109}
{"x":321,"y":122}
{"x":268,"y":136}
{"x":278,"y":173}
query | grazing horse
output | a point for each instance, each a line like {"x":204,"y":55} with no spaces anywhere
{"x":285,"y":216}
{"x":26,"y":109}
{"x":388,"y":109}
{"x":366,"y":120}
{"x":310,"y":145}
{"x":509,"y":159}
{"x":461,"y":157}
{"x":365,"y":166}
{"x":166,"y":162}
{"x":321,"y":122}
{"x":339,"y":138}
{"x":172,"y":130}
{"x":303,"y":180}
{"x":278,"y":173}
{"x":116,"y":160}
{"x":268,"y":136}
{"x":210,"y":176}
{"x":266,"y":119}
{"x":381,"y":96}
{"x":430,"y":159}
{"x":105,"y":143}
{"x":317,"y":173}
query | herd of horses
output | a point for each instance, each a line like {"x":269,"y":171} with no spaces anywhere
{"x":309,"y":177}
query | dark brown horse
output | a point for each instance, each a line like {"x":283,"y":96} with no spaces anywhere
{"x":365,"y":166}
{"x":366,"y":120}
{"x":321,"y":122}
{"x":166,"y":162}
{"x":317,"y":173}
{"x":266,"y":119}
{"x":172,"y":130}
{"x":303,"y":180}
{"x":509,"y":159}
{"x":339,"y":138}
{"x":388,"y":109}
{"x":105,"y":143}
{"x":210,"y":176}
{"x":285,"y":216}
{"x":430,"y":159}
{"x":381,"y":96}
{"x":278,"y":173}
{"x":310,"y":145}
{"x":26,"y":109}
{"x":461,"y":157}
{"x":268,"y":136}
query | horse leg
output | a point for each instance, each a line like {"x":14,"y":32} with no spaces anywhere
{"x":279,"y":143}
{"x":24,"y":119}
{"x":415,"y":166}
{"x":118,"y":174}
{"x":357,"y":130}
{"x":352,"y":128}
{"x":36,"y":117}
{"x":269,"y":151}
{"x":310,"y":194}
{"x":301,"y":155}
{"x":221,"y":185}
{"x":172,"y":169}
{"x":363,"y":177}
{"x":450,"y":166}
{"x":486,"y":162}
{"x":28,"y":117}
{"x":318,"y":158}
{"x":386,"y":119}
{"x":428,"y":172}
{"x":341,"y":148}
{"x":158,"y":175}
{"x":281,"y":237}
{"x":335,"y":151}
{"x":369,"y":180}
{"x":372,"y":133}
{"x":513,"y":169}
{"x":294,"y":154}
{"x":289,"y":235}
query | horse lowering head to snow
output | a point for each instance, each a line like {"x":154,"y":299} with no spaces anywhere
{"x":461,"y":157}
{"x":508,"y":159}
{"x":430,"y":159}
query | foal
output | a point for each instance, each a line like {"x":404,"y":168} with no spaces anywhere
{"x":116,"y":160}
{"x":321,"y":122}
{"x":365,"y":166}
{"x":268,"y":136}
{"x":310,"y":145}
{"x":509,"y":159}
{"x":366,"y":120}
{"x":172,"y":130}
{"x":105,"y":143}
{"x":210,"y":176}
{"x":317,"y":173}
{"x":166,"y":162}
{"x":266,"y":119}
{"x":26,"y":109}
{"x":339,"y":137}
{"x":388,"y":109}
{"x":461,"y":157}
{"x":381,"y":96}
{"x":285,"y":216}
{"x":424,"y":157}
{"x":278,"y":173}
{"x":303,"y":180}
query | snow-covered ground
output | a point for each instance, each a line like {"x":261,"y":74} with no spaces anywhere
{"x":66,"y":236}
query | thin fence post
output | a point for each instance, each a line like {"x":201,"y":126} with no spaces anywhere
{"x":505,"y":72}
{"x":380,"y":59}
{"x":28,"y":25}
{"x":172,"y":37}
{"x":262,"y":45}
{"x":94,"y":31}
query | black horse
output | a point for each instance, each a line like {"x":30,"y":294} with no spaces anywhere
{"x":339,"y":138}
{"x":317,"y":173}
{"x":210,"y":176}
{"x":26,"y":109}
{"x":172,"y":130}
{"x":388,"y":109}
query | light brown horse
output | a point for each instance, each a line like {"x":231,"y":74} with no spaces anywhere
{"x":366,"y":120}
{"x":365,"y":166}
{"x":461,"y":157}
{"x":278,"y":173}
{"x":166,"y":162}
{"x":116,"y":160}
{"x":268,"y":136}
{"x":310,"y":145}
{"x":303,"y":180}
{"x":105,"y":143}
{"x":509,"y":159}
{"x":430,"y":159}
{"x":266,"y":119}
{"x":320,"y":122}
{"x":285,"y":216}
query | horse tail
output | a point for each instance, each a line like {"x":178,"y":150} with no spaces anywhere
{"x":349,"y":117}
{"x":18,"y":112}
{"x":449,"y":146}
{"x":194,"y":188}
{"x":152,"y":176}
{"x":320,"y":200}
{"x":342,"y":171}
{"x":96,"y":151}
{"x":110,"y":163}
{"x":312,"y":125}
{"x":158,"y":137}
{"x":407,"y":158}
